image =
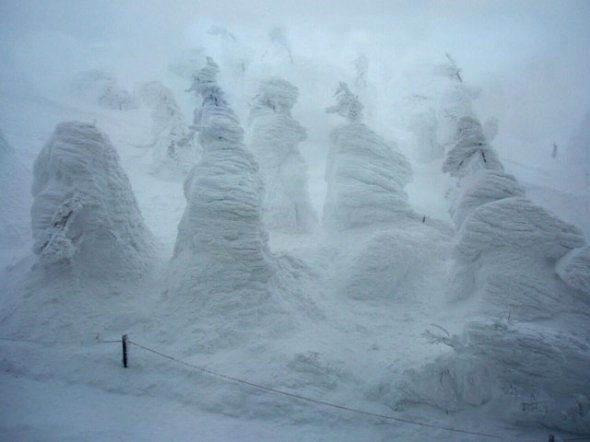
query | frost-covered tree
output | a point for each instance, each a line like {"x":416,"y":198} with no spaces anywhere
{"x":365,"y":174}
{"x":221,"y":247}
{"x":14,"y":196}
{"x":471,"y":151}
{"x":483,"y":188}
{"x":173,"y":148}
{"x":85,"y":217}
{"x":456,"y":101}
{"x":278,"y":36}
{"x":273,"y":138}
{"x":102,"y":88}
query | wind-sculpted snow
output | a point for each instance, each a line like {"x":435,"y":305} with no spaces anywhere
{"x":366,"y":178}
{"x":273,"y":139}
{"x":471,"y":151}
{"x":14,"y":196}
{"x":365,"y":174}
{"x":84,"y":216}
{"x":221,"y":258}
{"x":484,"y":188}
{"x":100,"y":87}
{"x":574,"y":269}
{"x":173,"y":148}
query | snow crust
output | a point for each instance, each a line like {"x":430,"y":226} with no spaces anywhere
{"x":84,"y":215}
{"x":273,"y":138}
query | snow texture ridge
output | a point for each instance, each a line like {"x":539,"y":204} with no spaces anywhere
{"x":481,"y":189}
{"x":365,"y":174}
{"x":84,"y":216}
{"x":273,"y":138}
{"x":574,"y":269}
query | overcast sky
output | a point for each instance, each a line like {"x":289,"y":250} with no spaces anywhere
{"x":530,"y":58}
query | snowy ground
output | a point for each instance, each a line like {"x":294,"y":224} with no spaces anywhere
{"x":67,"y":386}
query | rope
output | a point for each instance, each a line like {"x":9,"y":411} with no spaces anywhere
{"x":30,"y":341}
{"x":311,"y":400}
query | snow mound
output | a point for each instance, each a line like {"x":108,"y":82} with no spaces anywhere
{"x":173,"y":149}
{"x":273,"y":138}
{"x":84,"y":216}
{"x":482,"y":189}
{"x":574,"y":269}
{"x":100,"y":87}
{"x":15,"y":200}
{"x":471,"y":151}
{"x":382,"y":265}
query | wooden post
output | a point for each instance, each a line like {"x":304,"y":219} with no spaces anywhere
{"x":124,"y":345}
{"x":551,"y":438}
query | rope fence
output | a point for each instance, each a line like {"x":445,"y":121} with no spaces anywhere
{"x":125,"y":342}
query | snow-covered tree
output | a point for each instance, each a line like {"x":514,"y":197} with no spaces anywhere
{"x":471,"y":151}
{"x":102,"y":88}
{"x":365,"y":174}
{"x":483,"y":188}
{"x":85,"y":217}
{"x":424,"y":125}
{"x":456,"y":101}
{"x":273,"y":138}
{"x":221,"y":247}
{"x":173,"y":148}
{"x":578,"y":156}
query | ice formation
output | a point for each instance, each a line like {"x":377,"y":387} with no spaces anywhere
{"x":365,"y":174}
{"x":173,"y":148}
{"x":100,"y":87}
{"x":85,"y":217}
{"x":14,"y":196}
{"x":273,"y":138}
{"x":221,"y":254}
{"x":574,"y":269}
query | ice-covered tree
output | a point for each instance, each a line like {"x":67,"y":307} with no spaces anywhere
{"x":273,"y":138}
{"x":578,"y":156}
{"x":471,"y":151}
{"x":366,"y":175}
{"x":221,"y":247}
{"x":102,"y":88}
{"x":85,"y":217}
{"x":173,"y":148}
{"x":456,"y":101}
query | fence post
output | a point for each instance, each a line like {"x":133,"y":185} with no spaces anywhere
{"x":124,"y":345}
{"x":551,"y":438}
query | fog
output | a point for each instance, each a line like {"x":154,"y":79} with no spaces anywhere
{"x":528,"y":58}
